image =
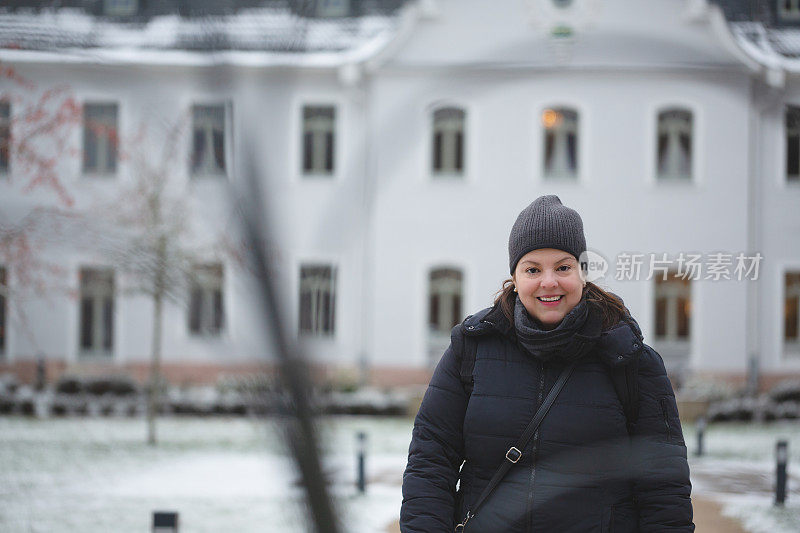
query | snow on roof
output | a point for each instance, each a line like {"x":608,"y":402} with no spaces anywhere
{"x":774,"y":47}
{"x":260,"y":30}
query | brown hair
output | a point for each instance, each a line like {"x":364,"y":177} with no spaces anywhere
{"x":610,"y":306}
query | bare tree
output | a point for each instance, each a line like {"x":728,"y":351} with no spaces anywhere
{"x":149,"y":221}
{"x":35,"y":135}
{"x":143,"y":229}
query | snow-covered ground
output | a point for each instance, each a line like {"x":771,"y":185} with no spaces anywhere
{"x":738,"y":470}
{"x":234,"y":474}
{"x":93,"y":474}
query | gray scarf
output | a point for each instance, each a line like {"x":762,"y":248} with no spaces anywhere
{"x":570,"y":341}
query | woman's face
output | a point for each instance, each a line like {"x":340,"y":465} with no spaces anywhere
{"x":549,"y":284}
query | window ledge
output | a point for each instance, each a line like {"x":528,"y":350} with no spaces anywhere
{"x":208,"y":337}
{"x":84,"y":355}
{"x":317,"y":176}
{"x":208,"y":176}
{"x":98,"y":176}
{"x":316,"y":337}
{"x":448,"y":176}
{"x":677,"y":180}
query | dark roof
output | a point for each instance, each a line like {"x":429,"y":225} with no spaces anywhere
{"x":760,"y":24}
{"x":196,"y":25}
{"x":147,"y":9}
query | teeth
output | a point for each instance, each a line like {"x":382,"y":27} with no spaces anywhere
{"x":553,"y":299}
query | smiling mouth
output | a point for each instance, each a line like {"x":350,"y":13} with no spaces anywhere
{"x":549,"y":299}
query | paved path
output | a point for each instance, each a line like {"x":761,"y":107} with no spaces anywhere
{"x":708,"y":518}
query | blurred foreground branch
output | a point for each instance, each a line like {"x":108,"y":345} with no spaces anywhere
{"x":293,"y":370}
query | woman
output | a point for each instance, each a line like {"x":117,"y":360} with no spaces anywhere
{"x":609,"y":454}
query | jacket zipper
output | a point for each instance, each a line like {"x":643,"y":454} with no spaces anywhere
{"x":665,"y":413}
{"x":539,"y":398}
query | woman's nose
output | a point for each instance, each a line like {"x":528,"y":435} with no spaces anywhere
{"x":549,"y":279}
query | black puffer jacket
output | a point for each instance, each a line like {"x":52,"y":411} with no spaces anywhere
{"x":582,"y":472}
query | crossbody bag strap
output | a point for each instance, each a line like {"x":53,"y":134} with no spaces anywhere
{"x":514,"y":453}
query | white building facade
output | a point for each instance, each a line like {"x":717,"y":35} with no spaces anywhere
{"x":394,"y":159}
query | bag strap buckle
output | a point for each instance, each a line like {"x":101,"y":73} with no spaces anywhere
{"x":513,"y":454}
{"x":460,"y":527}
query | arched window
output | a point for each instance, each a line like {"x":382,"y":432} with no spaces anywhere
{"x":208,"y":140}
{"x":448,"y":141}
{"x":445,"y":288}
{"x":560,"y":142}
{"x":319,"y":139}
{"x":673,"y":319}
{"x":674,"y":156}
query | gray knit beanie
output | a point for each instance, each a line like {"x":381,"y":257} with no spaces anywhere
{"x":546,"y":223}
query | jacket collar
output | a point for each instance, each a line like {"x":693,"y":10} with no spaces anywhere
{"x":619,"y":345}
{"x":486,"y":320}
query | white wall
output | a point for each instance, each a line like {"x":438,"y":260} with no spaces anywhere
{"x":384,"y":222}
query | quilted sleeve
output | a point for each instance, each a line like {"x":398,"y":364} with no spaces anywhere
{"x":661,"y":473}
{"x":437,"y":448}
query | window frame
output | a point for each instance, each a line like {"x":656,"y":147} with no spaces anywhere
{"x":650,"y":170}
{"x":204,"y":173}
{"x":336,"y":11}
{"x":675,"y":177}
{"x":314,"y":173}
{"x":549,"y":176}
{"x":98,"y":309}
{"x":424,"y":164}
{"x":788,"y":15}
{"x":6,"y":124}
{"x":105,"y":172}
{"x":790,"y":179}
{"x":446,"y":269}
{"x":4,"y":281}
{"x":209,"y":290}
{"x":117,"y":8}
{"x":673,"y":295}
{"x":445,"y":174}
{"x":789,"y":349}
{"x":436,"y":341}
{"x":334,"y":319}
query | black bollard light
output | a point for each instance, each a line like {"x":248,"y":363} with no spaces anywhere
{"x":701,"y":429}
{"x":782,"y":458}
{"x":361,"y":481}
{"x":165,"y":522}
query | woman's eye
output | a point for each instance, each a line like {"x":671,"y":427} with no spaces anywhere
{"x":564,"y":268}
{"x":532,"y":270}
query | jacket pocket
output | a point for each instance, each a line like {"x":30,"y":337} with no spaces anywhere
{"x":671,"y":420}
